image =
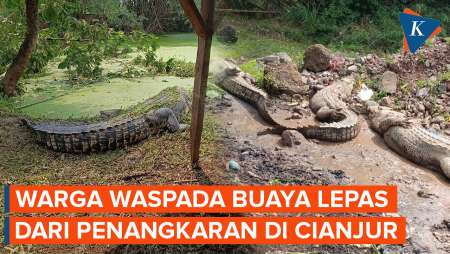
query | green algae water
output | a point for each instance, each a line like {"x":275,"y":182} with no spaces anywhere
{"x":87,"y":102}
{"x":52,"y":97}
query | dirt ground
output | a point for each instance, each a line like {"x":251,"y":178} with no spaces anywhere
{"x":423,"y":194}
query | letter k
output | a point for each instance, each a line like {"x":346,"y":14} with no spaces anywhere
{"x":415,"y":28}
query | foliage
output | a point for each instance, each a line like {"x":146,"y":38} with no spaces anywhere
{"x":65,"y":25}
{"x":180,"y":68}
{"x":159,"y":15}
{"x":252,"y":68}
{"x":46,"y":50}
{"x":157,"y":65}
{"x":378,"y":95}
{"x":116,"y":44}
{"x":369,"y":23}
{"x":12,"y":30}
{"x":113,"y":13}
{"x":82,"y":60}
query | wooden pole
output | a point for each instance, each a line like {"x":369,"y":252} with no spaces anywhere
{"x":201,"y":80}
{"x":194,"y":16}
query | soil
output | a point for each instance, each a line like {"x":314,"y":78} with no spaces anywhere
{"x":423,"y":193}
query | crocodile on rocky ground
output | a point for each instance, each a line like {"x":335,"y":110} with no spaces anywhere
{"x":410,"y":140}
{"x":337,"y":122}
{"x":118,"y":132}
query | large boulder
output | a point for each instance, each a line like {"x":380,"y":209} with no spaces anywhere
{"x":389,"y":82}
{"x":283,"y":78}
{"x":227,"y":34}
{"x":317,"y":58}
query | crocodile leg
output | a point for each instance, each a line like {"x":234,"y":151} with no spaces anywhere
{"x":324,"y":114}
{"x":172,"y":122}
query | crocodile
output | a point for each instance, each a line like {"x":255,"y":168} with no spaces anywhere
{"x":410,"y":140}
{"x":115,"y":133}
{"x":340,"y":123}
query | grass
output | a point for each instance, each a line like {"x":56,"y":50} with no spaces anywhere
{"x":163,"y":159}
{"x":253,"y":69}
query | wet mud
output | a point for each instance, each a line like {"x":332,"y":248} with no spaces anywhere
{"x":423,"y":194}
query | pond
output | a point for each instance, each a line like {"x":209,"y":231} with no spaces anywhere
{"x":52,"y":97}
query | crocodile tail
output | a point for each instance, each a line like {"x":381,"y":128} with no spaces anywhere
{"x":341,"y":131}
{"x":182,"y":105}
{"x":445,"y":166}
{"x":263,"y":112}
{"x":90,"y":138}
{"x":331,"y":134}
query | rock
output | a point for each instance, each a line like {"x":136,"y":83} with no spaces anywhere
{"x":420,"y":107}
{"x":437,"y":120}
{"x":304,"y":104}
{"x":337,"y":63}
{"x":283,"y":78}
{"x":277,"y":58}
{"x":424,"y":194}
{"x":109,"y":113}
{"x":428,"y":105}
{"x":317,"y":58}
{"x":389,"y":82}
{"x":292,"y":138}
{"x":270,"y":59}
{"x":436,"y":126}
{"x":233,"y":165}
{"x":317,"y":87}
{"x":374,"y":64}
{"x":387,"y":102}
{"x":284,"y":57}
{"x":227,"y":34}
{"x":353,"y":68}
{"x":372,"y":104}
{"x":423,"y":92}
{"x":304,"y":79}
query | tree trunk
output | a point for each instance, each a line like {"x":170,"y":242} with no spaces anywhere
{"x":18,"y":66}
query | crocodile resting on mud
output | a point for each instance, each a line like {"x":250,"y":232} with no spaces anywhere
{"x":339,"y":123}
{"x":115,"y":133}
{"x":424,"y":147}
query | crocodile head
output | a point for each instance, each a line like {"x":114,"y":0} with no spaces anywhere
{"x":382,"y":118}
{"x":224,"y":69}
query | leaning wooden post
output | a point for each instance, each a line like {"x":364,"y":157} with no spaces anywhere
{"x":201,"y":80}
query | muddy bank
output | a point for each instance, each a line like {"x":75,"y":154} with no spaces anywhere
{"x":423,"y":194}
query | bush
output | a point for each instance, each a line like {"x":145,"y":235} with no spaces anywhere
{"x":180,"y":69}
{"x":366,"y":24}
